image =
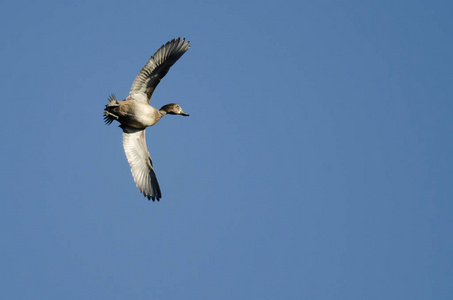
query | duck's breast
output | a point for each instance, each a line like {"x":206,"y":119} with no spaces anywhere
{"x":137,"y":114}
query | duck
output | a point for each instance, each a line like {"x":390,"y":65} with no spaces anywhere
{"x":135,"y":114}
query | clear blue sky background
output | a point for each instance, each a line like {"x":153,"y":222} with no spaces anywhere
{"x":315,"y":164}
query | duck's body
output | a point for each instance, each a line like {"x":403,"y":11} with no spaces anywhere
{"x":135,"y":114}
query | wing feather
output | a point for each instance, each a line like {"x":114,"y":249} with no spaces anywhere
{"x":137,"y":154}
{"x":156,"y":68}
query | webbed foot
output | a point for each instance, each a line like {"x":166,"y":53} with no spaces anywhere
{"x":110,"y":115}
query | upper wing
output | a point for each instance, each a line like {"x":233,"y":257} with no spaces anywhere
{"x":137,"y":154}
{"x":156,"y":68}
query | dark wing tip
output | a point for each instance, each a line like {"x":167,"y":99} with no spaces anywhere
{"x":153,"y":197}
{"x":175,"y":45}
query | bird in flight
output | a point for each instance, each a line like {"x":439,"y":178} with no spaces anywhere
{"x":135,"y":114}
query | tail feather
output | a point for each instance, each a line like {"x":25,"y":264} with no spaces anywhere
{"x":112,"y":101}
{"x":108,"y":119}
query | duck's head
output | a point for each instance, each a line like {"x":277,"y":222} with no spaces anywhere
{"x":173,"y":109}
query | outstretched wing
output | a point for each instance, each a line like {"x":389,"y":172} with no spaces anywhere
{"x":156,"y":68}
{"x":137,"y":154}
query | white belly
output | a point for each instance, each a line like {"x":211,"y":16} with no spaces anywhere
{"x":137,"y":114}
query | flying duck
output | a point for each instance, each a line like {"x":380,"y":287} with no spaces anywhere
{"x":135,"y":114}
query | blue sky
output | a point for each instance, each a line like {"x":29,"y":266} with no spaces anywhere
{"x":315,"y":164}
